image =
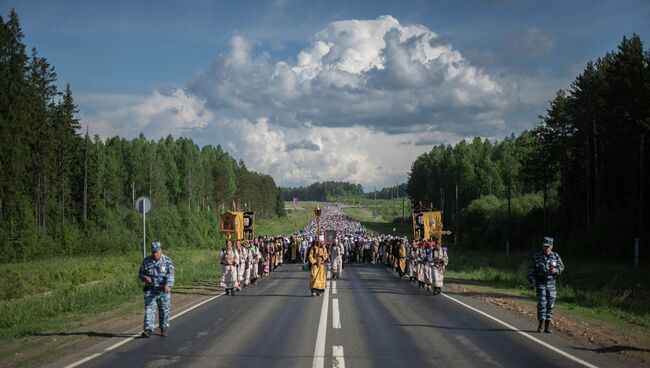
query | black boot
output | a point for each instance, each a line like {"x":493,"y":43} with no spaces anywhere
{"x":539,"y":327}
{"x":546,"y":324}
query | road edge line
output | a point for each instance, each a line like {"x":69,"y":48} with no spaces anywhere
{"x":546,"y":345}
{"x":130,"y":338}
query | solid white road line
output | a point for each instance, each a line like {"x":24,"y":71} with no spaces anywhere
{"x":337,"y":355}
{"x":551,"y":347}
{"x":118,"y":344}
{"x":333,"y":287}
{"x":336,"y":316}
{"x":319,"y":349}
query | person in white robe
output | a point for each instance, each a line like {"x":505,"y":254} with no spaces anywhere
{"x":337,"y":258}
{"x":229,"y":260}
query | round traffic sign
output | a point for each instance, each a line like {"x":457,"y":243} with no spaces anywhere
{"x":143,"y":204}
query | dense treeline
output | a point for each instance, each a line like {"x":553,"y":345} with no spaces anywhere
{"x":579,"y":175}
{"x":397,"y":191}
{"x":65,"y":193}
{"x":325,"y":191}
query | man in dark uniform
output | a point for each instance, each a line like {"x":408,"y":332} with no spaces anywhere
{"x":547,"y":266}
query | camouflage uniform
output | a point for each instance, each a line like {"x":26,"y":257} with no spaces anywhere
{"x":162,"y":274}
{"x":540,"y":274}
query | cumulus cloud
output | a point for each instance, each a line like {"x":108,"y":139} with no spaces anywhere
{"x":156,"y":115}
{"x":303,"y":144}
{"x":359,"y":103}
{"x":376,"y":73}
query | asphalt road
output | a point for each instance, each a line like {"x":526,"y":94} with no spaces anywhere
{"x":371,"y":319}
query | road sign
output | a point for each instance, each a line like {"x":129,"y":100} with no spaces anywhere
{"x":143,"y":205}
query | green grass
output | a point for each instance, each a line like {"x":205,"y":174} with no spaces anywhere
{"x":45,"y":295}
{"x":378,"y":224}
{"x":295,"y":221}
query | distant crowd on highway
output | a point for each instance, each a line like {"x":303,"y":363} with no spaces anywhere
{"x":244,"y":263}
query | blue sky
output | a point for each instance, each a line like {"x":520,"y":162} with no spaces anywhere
{"x":328,"y":98}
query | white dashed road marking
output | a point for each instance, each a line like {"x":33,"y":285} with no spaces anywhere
{"x":337,"y":355}
{"x":336,"y":316}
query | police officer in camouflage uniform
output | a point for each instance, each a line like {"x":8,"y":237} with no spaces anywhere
{"x":547,"y":265}
{"x":157,"y":273}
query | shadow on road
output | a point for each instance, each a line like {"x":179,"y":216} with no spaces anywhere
{"x":197,"y":293}
{"x":278,"y":295}
{"x":88,"y":333}
{"x":462,"y":328}
{"x":615,"y":349}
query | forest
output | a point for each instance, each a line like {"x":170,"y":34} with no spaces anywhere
{"x":579,"y":175}
{"x":63,"y":192}
{"x":322,"y":192}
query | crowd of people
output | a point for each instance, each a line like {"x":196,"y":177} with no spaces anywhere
{"x":423,"y":262}
{"x":243,"y":263}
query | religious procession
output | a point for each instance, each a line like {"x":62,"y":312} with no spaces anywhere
{"x":344,"y":240}
{"x":330,"y":240}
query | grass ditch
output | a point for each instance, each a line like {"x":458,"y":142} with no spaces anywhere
{"x":46,"y":295}
{"x":377,"y":224}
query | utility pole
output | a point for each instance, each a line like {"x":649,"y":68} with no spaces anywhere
{"x":85,"y":204}
{"x":456,"y":219}
{"x":509,"y":218}
{"x":641,"y":204}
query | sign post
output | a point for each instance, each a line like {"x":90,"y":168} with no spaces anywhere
{"x":143,"y":205}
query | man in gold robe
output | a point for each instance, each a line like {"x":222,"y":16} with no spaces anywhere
{"x":317,"y":255}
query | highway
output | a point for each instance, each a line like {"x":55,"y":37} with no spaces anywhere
{"x":367,"y":318}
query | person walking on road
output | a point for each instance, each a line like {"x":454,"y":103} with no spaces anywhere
{"x":229,"y":261}
{"x":411,"y":261}
{"x":256,"y":256}
{"x":401,"y":258}
{"x":547,"y":266}
{"x":245,"y":263}
{"x":317,"y":255}
{"x":440,"y":261}
{"x":157,"y":273}
{"x":337,"y":259}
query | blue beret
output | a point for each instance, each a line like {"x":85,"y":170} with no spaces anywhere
{"x":548,"y":241}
